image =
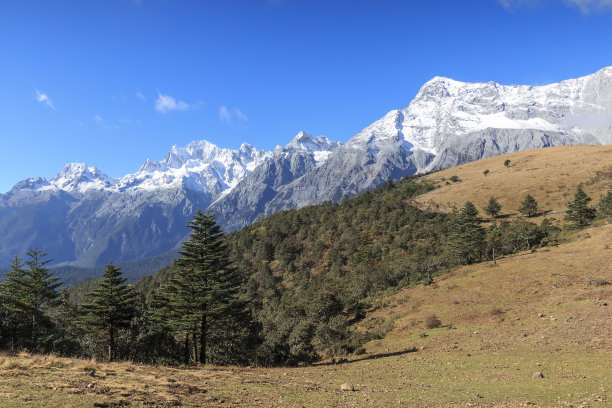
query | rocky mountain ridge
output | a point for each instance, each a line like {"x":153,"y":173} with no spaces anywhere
{"x":84,"y":217}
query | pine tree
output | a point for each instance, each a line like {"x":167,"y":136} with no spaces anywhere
{"x":111,"y":308}
{"x":35,"y":288}
{"x":605,"y":204}
{"x":467,"y":237}
{"x":529,"y":206}
{"x":494,"y":238}
{"x":203,"y":290}
{"x":493,"y":207}
{"x":12,"y":300}
{"x":579,"y":212}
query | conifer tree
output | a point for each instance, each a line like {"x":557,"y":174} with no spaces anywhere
{"x":12,"y":301}
{"x":493,"y":207}
{"x":35,"y":288}
{"x":204,"y":287}
{"x":467,"y":237}
{"x":494,"y":237}
{"x":529,"y":206}
{"x":111,"y":308}
{"x":605,"y":204}
{"x":579,"y":211}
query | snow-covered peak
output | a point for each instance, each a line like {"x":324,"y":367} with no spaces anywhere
{"x":30,"y":184}
{"x":446,"y":109}
{"x":200,"y":165}
{"x":79,"y":177}
{"x":306,"y":141}
{"x":320,"y":146}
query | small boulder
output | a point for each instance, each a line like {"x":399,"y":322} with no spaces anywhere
{"x":347,"y":387}
{"x":91,"y":373}
{"x":91,"y":385}
{"x":537,"y":374}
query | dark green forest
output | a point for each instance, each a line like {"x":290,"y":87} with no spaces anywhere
{"x":286,"y":290}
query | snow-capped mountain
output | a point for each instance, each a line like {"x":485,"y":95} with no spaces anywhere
{"x":84,"y":217}
{"x":243,"y":204}
{"x":81,"y":216}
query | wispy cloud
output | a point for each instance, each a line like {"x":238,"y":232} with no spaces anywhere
{"x":230,"y":116}
{"x":588,"y":6}
{"x":140,"y":96}
{"x":166,"y":103}
{"x":98,"y":120}
{"x":585,"y":6}
{"x":43,"y":98}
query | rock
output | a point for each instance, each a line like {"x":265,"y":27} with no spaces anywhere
{"x":540,"y":314}
{"x":210,"y":398}
{"x":91,"y":373}
{"x":347,"y":387}
{"x":537,"y":374}
{"x":91,"y":385}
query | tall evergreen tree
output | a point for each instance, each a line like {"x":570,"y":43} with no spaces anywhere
{"x":111,"y":308}
{"x":204,"y":287}
{"x":579,"y":211}
{"x":34,"y":288}
{"x":467,"y":237}
{"x":12,"y":302}
{"x":493,"y":207}
{"x":605,"y":204}
{"x":529,"y":206}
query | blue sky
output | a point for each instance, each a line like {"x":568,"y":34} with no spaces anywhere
{"x":113,"y":82}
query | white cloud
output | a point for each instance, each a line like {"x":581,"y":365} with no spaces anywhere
{"x":99,"y":121}
{"x":585,"y":6}
{"x":140,"y":96}
{"x":229,"y":116}
{"x":166,"y":103}
{"x":43,"y":98}
{"x":224,"y":115}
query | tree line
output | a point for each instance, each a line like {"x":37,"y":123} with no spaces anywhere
{"x":285,"y":290}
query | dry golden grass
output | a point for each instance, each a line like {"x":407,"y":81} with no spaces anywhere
{"x":548,"y":311}
{"x":550,"y":175}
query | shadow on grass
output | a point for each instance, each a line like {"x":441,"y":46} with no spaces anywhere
{"x":369,"y":357}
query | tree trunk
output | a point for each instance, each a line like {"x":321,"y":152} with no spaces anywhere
{"x":111,"y":344}
{"x":494,"y":260}
{"x":203,"y":340}
{"x":33,"y":329}
{"x":186,"y":351}
{"x":194,"y":347}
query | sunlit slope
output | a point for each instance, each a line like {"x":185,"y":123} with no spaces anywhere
{"x":550,"y":175}
{"x":548,"y":311}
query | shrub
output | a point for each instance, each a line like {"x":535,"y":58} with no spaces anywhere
{"x":432,"y":321}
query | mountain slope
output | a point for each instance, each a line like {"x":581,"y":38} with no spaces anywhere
{"x":550,"y":175}
{"x":84,"y":217}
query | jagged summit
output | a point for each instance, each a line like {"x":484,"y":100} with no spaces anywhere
{"x":96,"y":218}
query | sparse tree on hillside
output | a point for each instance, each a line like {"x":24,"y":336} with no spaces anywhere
{"x":579,"y":213}
{"x":493,"y":208}
{"x":486,"y":172}
{"x":494,"y":240}
{"x":605,"y":204}
{"x":529,"y":206}
{"x":111,"y":308}
{"x":507,"y":162}
{"x":467,"y":237}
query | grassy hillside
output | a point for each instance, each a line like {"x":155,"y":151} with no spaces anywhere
{"x":547,"y":312}
{"x":475,"y":337}
{"x":551,"y":175}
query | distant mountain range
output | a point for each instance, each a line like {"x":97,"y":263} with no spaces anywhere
{"x":82,"y":217}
